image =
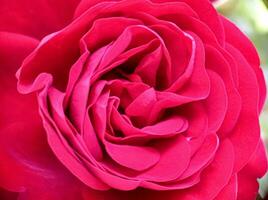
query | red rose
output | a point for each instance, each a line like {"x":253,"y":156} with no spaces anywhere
{"x":133,"y":99}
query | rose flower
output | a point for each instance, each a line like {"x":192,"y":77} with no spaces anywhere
{"x":130,"y":99}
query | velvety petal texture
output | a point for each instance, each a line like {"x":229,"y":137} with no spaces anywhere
{"x":35,"y":18}
{"x":127,"y":99}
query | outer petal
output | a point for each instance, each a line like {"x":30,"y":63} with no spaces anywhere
{"x":229,"y":191}
{"x":214,"y":177}
{"x":35,"y":18}
{"x":247,"y":177}
{"x":7,"y":195}
{"x":240,"y":41}
{"x":209,"y":16}
{"x":245,"y":136}
{"x":204,"y":9}
{"x":26,"y":161}
{"x":13,"y":49}
{"x":86,"y":4}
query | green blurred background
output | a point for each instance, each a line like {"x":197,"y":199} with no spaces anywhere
{"x":252,"y":17}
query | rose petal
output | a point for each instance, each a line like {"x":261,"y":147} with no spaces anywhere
{"x":13,"y":49}
{"x":15,"y":112}
{"x":148,"y":67}
{"x":216,"y":103}
{"x":111,"y":28}
{"x":24,"y":147}
{"x":229,"y":191}
{"x":127,"y":91}
{"x":173,"y":124}
{"x":78,"y":92}
{"x":212,"y":19}
{"x":63,"y":151}
{"x":215,"y":177}
{"x":197,"y":118}
{"x":203,"y":155}
{"x":164,"y":129}
{"x":175,"y":157}
{"x":175,"y":185}
{"x":145,"y":6}
{"x":35,"y":18}
{"x":198,"y":84}
{"x":216,"y":62}
{"x":247,"y":178}
{"x":235,"y":37}
{"x":179,"y":46}
{"x":210,"y":16}
{"x":245,"y":135}
{"x":133,"y":157}
{"x":8,"y":195}
{"x":144,"y":102}
{"x":207,"y":15}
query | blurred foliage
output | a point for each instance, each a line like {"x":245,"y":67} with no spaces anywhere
{"x":252,"y":18}
{"x":266,"y":3}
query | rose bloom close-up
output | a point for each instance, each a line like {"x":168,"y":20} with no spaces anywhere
{"x":126,"y":100}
